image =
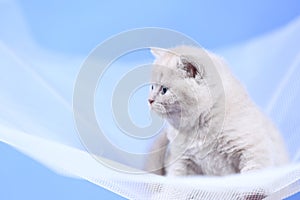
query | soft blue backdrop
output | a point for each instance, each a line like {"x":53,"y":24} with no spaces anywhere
{"x":73,"y":28}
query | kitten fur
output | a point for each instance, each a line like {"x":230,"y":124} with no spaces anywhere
{"x":198,"y":138}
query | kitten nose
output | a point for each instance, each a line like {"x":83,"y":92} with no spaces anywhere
{"x":150,"y":101}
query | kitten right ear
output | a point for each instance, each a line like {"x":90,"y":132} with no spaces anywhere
{"x":157,"y":52}
{"x":189,"y":67}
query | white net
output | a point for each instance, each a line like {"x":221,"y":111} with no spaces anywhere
{"x":36,"y":118}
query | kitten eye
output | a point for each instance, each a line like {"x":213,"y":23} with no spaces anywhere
{"x":164,"y":90}
{"x":152,"y":87}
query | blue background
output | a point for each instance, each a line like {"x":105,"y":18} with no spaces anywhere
{"x":73,"y":28}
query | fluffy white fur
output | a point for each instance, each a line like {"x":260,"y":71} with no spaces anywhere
{"x":202,"y":136}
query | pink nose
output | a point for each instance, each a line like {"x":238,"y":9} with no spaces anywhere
{"x":150,"y":101}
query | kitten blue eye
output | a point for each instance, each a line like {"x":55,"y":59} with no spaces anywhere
{"x":164,"y":90}
{"x":152,"y":87}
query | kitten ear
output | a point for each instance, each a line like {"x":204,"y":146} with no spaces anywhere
{"x":157,"y":52}
{"x":189,"y":67}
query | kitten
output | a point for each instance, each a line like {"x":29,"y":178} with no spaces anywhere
{"x":213,"y":127}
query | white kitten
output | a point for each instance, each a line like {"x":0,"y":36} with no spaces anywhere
{"x":213,"y":127}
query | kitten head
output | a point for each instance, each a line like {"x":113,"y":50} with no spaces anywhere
{"x":178,"y":89}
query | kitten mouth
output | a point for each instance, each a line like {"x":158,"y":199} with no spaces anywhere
{"x":159,"y":109}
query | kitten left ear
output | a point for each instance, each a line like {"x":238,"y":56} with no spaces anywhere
{"x":157,"y":52}
{"x":189,"y":67}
